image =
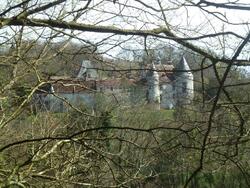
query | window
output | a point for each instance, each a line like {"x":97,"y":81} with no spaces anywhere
{"x":173,"y":87}
{"x":61,"y":106}
{"x":184,"y":87}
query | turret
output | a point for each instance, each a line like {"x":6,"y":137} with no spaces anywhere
{"x":153,"y":93}
{"x":184,"y":85}
{"x":87,"y":71}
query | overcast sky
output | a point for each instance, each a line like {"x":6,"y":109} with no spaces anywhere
{"x":185,"y":21}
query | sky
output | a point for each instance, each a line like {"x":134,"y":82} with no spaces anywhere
{"x":185,"y":21}
{"x":129,"y":14}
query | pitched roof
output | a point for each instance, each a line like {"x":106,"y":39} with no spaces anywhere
{"x":74,"y":87}
{"x":62,"y":84}
{"x":161,"y":67}
{"x":114,"y":82}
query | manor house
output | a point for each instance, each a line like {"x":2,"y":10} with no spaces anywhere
{"x":161,"y":85}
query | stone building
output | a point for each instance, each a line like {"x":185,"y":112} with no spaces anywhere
{"x":169,"y":86}
{"x":161,"y":86}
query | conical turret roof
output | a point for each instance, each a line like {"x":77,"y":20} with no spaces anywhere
{"x":182,"y":66}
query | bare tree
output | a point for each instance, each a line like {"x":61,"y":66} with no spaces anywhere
{"x":110,"y":148}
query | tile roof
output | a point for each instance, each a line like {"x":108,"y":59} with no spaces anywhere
{"x":73,"y":86}
{"x":114,"y":82}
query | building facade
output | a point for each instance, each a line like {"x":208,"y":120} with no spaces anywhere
{"x":161,"y":86}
